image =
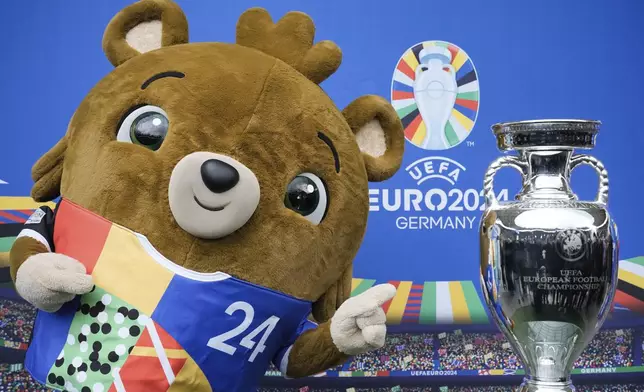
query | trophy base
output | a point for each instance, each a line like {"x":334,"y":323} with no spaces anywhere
{"x":544,"y":386}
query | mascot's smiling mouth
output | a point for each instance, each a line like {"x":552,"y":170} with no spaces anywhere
{"x":210,"y":208}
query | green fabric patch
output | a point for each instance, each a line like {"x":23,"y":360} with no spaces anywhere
{"x":103,"y":332}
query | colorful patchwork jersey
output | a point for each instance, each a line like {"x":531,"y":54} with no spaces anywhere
{"x":149,"y":324}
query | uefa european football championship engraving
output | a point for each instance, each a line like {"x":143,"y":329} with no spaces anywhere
{"x":549,"y":261}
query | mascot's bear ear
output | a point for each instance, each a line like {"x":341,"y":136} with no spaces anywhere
{"x":379,"y":134}
{"x":47,"y":173}
{"x":142,"y":27}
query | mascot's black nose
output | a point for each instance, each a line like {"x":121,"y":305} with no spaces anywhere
{"x":219,"y":176}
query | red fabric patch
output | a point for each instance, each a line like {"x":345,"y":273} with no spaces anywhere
{"x":80,"y":234}
{"x":144,"y":339}
{"x":143,"y":374}
{"x":168,"y":341}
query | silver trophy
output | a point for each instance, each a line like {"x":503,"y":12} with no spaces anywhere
{"x":549,"y":262}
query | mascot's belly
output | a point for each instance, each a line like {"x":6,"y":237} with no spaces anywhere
{"x":150,"y":325}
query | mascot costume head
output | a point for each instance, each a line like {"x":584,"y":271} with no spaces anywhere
{"x":212,"y":199}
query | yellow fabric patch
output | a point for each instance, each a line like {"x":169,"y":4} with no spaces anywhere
{"x":126,"y":270}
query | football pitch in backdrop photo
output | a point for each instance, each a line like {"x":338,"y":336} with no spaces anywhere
{"x":298,"y":196}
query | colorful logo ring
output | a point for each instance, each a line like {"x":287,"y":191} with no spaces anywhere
{"x":435,"y":91}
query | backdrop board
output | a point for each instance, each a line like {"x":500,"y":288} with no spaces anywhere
{"x":481,"y":63}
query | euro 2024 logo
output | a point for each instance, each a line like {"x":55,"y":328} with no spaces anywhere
{"x":435,"y":92}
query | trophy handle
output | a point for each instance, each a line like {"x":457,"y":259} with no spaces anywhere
{"x":602,"y":193}
{"x":488,"y":181}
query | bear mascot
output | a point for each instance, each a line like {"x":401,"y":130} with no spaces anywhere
{"x":210,"y":200}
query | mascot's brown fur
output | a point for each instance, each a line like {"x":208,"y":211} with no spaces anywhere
{"x":256,"y":102}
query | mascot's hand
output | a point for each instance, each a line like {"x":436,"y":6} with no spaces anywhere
{"x":358,"y":326}
{"x":48,"y":280}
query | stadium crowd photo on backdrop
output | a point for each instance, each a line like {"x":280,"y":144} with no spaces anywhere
{"x":317,"y":196}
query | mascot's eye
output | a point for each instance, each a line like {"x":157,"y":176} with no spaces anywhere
{"x":146,"y":126}
{"x":306,"y":195}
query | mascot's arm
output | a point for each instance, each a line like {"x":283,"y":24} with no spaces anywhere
{"x":313,"y":352}
{"x":357,"y":327}
{"x":45,"y":279}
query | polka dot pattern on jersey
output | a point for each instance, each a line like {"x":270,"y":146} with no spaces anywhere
{"x":102,"y":332}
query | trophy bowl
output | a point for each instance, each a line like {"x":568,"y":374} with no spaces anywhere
{"x":549,"y":261}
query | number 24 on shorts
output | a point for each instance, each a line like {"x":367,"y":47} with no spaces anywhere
{"x":219,"y":342}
